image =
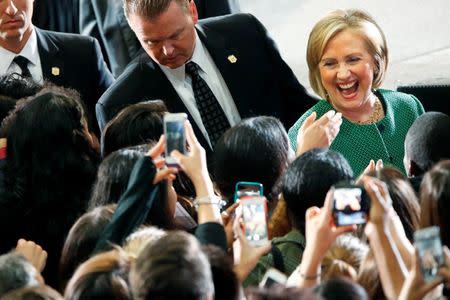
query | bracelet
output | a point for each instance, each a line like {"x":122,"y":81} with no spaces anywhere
{"x":209,"y":200}
{"x":310,"y":277}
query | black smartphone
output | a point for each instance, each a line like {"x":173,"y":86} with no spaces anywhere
{"x":175,"y":135}
{"x":351,"y":204}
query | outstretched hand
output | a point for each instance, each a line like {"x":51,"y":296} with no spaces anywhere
{"x":320,"y":133}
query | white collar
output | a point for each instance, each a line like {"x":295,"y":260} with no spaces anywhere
{"x":30,"y":51}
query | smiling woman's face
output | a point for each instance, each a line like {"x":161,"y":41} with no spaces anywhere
{"x":347,"y":71}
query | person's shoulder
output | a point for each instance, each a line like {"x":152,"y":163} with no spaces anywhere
{"x":64,"y":37}
{"x":229,"y":22}
{"x":400,"y":101}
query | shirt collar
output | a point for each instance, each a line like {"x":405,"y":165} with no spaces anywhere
{"x":30,"y":51}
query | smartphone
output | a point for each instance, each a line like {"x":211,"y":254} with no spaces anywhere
{"x":247,"y":189}
{"x":273,"y":277}
{"x":175,"y":135}
{"x":351,"y":204}
{"x":254,"y":215}
{"x":428,"y":243}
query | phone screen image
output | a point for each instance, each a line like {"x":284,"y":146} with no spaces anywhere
{"x":349,"y":207}
{"x":175,"y":136}
{"x":247,"y":189}
{"x":429,"y":245}
{"x":254,"y":214}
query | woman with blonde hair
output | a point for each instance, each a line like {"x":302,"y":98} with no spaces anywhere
{"x":347,"y":58}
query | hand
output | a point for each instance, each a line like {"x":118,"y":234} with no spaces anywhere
{"x":194,"y":163}
{"x":373,"y":167}
{"x":228,"y":217}
{"x":320,"y":231}
{"x":320,"y":133}
{"x":33,"y":253}
{"x":162,"y":173}
{"x":415,"y":288}
{"x":248,"y":255}
{"x":381,"y":202}
{"x":444,"y":272}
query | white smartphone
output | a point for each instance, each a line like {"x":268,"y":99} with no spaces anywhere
{"x":175,"y":135}
{"x":429,"y":245}
{"x":272,"y":277}
{"x":254,"y":214}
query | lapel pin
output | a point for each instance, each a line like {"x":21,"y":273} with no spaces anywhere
{"x":232,"y":58}
{"x":55,"y":71}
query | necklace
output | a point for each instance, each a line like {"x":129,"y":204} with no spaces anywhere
{"x":376,"y":115}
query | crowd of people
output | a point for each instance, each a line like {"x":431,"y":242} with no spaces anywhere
{"x":89,"y":208}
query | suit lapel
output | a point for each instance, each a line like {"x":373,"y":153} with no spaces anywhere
{"x":51,"y":61}
{"x":227,"y":60}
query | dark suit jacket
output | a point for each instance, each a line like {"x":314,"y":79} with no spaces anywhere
{"x":75,"y":61}
{"x":105,"y":20}
{"x":260,"y":82}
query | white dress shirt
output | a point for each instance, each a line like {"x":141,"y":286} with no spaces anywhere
{"x":30,"y":51}
{"x":209,"y":72}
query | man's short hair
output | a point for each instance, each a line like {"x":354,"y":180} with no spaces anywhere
{"x":427,"y":140}
{"x":151,"y":8}
{"x":16,"y":272}
{"x":174,"y":267}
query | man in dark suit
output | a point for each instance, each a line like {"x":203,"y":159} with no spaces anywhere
{"x":67,"y":60}
{"x":233,"y":54}
{"x":105,"y":20}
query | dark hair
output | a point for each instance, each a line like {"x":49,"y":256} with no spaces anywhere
{"x":134,"y":125}
{"x":16,"y":272}
{"x":174,"y":267}
{"x":280,"y":293}
{"x":103,"y":276}
{"x":426,"y":142}
{"x":16,"y":86}
{"x":226,"y":283}
{"x":256,"y":149}
{"x":341,"y":288}
{"x":113,"y":174}
{"x":435,"y":199}
{"x":404,"y":199}
{"x":12,"y":88}
{"x":308,"y":179}
{"x":82,"y":239}
{"x":42,"y":292}
{"x":50,"y":167}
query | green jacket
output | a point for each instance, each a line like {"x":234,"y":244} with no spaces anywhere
{"x":291,"y":247}
{"x":382,"y":140}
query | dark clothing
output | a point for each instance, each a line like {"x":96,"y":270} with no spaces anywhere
{"x":57,"y":15}
{"x":135,"y":204}
{"x":259,"y":81}
{"x":74,"y":61}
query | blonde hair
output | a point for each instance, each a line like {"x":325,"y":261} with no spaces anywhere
{"x":336,"y":22}
{"x":140,"y":238}
{"x":344,"y":258}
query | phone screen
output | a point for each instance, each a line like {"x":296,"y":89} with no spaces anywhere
{"x":429,"y":245}
{"x":349,"y":206}
{"x":254,"y":213}
{"x":175,"y":134}
{"x":247,"y":189}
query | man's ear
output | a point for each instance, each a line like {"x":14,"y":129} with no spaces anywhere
{"x":193,"y":11}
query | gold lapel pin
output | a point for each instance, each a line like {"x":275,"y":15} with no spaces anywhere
{"x":55,"y":71}
{"x":232,"y":58}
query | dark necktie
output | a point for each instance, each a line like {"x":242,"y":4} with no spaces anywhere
{"x":212,"y":114}
{"x":22,"y":62}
